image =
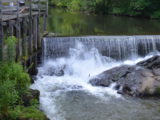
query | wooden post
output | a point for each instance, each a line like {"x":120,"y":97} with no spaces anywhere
{"x":35,"y":32}
{"x":45,"y":17}
{"x":24,"y":39}
{"x":17,"y":9}
{"x":1,"y":33}
{"x":38,"y":27}
{"x":30,"y":28}
{"x":19,"y":42}
{"x":47,"y":8}
{"x":39,"y":8}
{"x":18,"y":35}
{"x":11,"y":29}
{"x":44,"y":23}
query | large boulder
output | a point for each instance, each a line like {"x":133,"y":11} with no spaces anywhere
{"x":113,"y":75}
{"x":140,"y":79}
{"x":151,"y":63}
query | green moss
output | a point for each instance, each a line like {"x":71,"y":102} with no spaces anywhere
{"x":21,"y":112}
{"x":158,"y":90}
{"x":32,"y":113}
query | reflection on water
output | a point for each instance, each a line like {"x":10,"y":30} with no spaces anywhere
{"x":66,"y":23}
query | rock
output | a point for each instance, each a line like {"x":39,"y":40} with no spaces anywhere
{"x":137,"y":80}
{"x":110,"y":76}
{"x":156,"y":72}
{"x":50,"y":34}
{"x":151,"y":63}
{"x":32,"y":94}
{"x":55,"y":71}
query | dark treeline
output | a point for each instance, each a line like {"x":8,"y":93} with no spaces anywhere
{"x":141,"y":8}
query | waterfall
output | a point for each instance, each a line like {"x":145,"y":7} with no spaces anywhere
{"x":117,"y":47}
{"x":69,"y":64}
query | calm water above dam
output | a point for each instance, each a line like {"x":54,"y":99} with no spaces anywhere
{"x":72,"y":24}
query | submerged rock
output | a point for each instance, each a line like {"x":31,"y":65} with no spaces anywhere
{"x":137,"y":80}
{"x":55,"y":71}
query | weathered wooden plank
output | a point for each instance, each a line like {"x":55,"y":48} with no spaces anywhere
{"x":27,"y":30}
{"x":11,"y":17}
{"x":38,"y":33}
{"x":4,"y":23}
{"x":47,"y":7}
{"x":19,"y":41}
{"x":44,"y":23}
{"x":35,"y":33}
{"x":24,"y":39}
{"x":30,"y":28}
{"x":9,"y":0}
{"x":1,"y":33}
{"x":11,"y":27}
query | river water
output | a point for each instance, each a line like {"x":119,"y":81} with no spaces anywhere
{"x":72,"y":24}
{"x":68,"y":63}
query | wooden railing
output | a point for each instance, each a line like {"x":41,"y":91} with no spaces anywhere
{"x":12,"y":7}
{"x":24,"y":23}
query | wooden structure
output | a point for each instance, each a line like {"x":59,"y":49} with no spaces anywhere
{"x":26,"y":23}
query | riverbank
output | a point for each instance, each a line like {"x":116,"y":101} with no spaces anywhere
{"x":17,"y":100}
{"x":137,"y":8}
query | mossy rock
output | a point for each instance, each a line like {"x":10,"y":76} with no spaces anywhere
{"x":29,"y":96}
{"x":157,"y":91}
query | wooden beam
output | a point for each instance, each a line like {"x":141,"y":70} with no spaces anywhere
{"x":30,"y":28}
{"x":38,"y":33}
{"x":24,"y":39}
{"x":1,"y":33}
{"x":35,"y":32}
{"x":44,"y":23}
{"x":47,"y":7}
{"x":19,"y":41}
{"x":11,"y":27}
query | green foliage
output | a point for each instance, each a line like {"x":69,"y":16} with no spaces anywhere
{"x":156,"y":14}
{"x":13,"y":84}
{"x":15,"y":73}
{"x":31,"y":113}
{"x":11,"y":48}
{"x":20,"y":112}
{"x":145,"y":8}
{"x":8,"y":96}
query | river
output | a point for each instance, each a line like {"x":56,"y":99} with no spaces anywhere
{"x":73,"y":24}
